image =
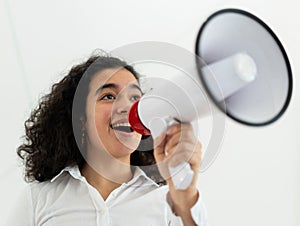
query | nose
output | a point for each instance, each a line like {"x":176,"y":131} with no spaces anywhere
{"x":122,"y":105}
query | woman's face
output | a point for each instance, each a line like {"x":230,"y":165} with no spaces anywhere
{"x":112,"y":92}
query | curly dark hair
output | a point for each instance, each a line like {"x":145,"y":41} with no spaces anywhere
{"x":49,"y":142}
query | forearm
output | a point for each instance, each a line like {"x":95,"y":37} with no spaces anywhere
{"x":181,"y":205}
{"x":187,"y":218}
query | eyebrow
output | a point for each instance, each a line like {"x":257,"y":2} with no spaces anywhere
{"x":114,"y":86}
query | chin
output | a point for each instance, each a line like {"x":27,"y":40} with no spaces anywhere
{"x":128,"y":146}
{"x":128,"y":142}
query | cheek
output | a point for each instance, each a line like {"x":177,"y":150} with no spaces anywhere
{"x":102,"y":119}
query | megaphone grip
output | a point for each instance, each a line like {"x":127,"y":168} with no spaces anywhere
{"x":182,"y":175}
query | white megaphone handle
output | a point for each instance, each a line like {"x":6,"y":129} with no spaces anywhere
{"x":182,"y":174}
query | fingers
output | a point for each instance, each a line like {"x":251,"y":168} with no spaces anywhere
{"x":185,"y":152}
{"x":175,"y":134}
{"x":179,"y":134}
{"x":177,"y":145}
{"x":184,"y":128}
{"x":182,"y":146}
{"x":181,"y":155}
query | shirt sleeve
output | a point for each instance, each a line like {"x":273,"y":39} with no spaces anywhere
{"x":22,"y":211}
{"x":198,"y":212}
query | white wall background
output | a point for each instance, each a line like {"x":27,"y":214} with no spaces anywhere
{"x":256,"y":178}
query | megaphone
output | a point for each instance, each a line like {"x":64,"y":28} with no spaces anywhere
{"x":241,"y":65}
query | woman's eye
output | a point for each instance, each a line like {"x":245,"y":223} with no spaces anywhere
{"x":108,"y":97}
{"x":135,"y":97}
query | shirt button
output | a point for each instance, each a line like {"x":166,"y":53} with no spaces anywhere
{"x":102,"y":211}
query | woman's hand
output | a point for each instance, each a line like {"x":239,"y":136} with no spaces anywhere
{"x":177,"y":145}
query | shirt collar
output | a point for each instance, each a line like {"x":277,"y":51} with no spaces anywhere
{"x":138,"y":174}
{"x":72,"y":170}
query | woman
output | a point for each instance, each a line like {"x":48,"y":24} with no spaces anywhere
{"x":103,"y":178}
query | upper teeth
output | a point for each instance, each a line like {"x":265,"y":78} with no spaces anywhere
{"x":121,"y":124}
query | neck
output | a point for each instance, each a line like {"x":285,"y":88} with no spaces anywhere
{"x":102,"y":184}
{"x":107,"y":174}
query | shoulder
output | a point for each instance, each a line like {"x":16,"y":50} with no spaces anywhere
{"x":43,"y":192}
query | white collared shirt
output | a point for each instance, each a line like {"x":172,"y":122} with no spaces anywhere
{"x":69,"y":200}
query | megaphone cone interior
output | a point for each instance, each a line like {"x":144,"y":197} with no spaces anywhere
{"x":257,"y":90}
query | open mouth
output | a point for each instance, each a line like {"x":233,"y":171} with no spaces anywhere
{"x":123,"y":127}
